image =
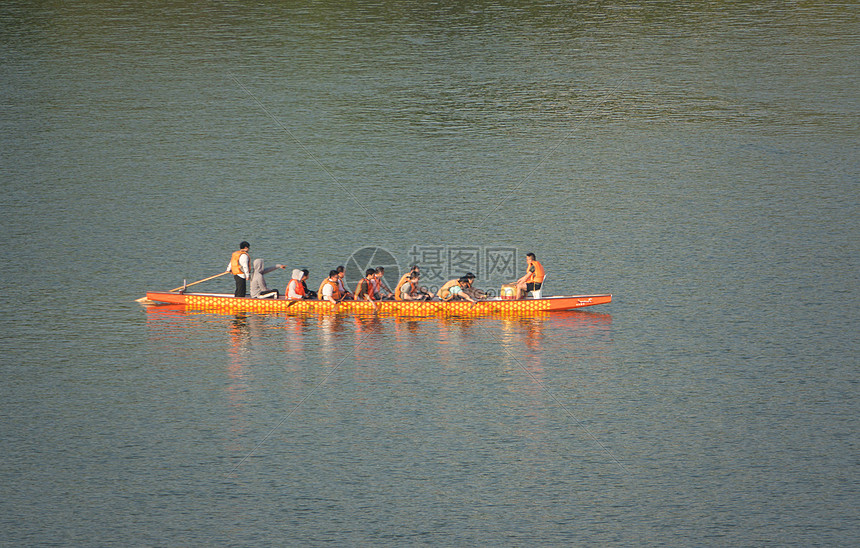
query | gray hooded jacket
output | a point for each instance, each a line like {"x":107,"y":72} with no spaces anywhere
{"x":258,"y":282}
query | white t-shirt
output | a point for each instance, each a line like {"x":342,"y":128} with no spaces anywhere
{"x":327,"y":291}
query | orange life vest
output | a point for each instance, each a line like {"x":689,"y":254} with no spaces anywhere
{"x":409,"y":288}
{"x":537,"y":273}
{"x":235,"y":267}
{"x":335,"y":290}
{"x":399,"y":287}
{"x":298,"y":288}
{"x":364,"y":287}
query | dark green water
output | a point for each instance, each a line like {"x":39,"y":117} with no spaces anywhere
{"x":698,"y":162}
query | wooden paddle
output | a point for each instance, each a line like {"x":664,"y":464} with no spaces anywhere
{"x":145,"y":300}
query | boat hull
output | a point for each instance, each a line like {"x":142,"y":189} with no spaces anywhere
{"x":228,"y":303}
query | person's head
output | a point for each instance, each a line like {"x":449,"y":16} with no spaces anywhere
{"x":470,"y":277}
{"x":245,"y":245}
{"x":530,"y":257}
{"x":305,"y":273}
{"x":370,"y":272}
{"x":332,"y":273}
{"x":414,"y":277}
{"x":463,"y":281}
{"x":415,"y":268}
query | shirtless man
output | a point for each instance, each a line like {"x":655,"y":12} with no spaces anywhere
{"x":457,"y":292}
{"x":533,"y":277}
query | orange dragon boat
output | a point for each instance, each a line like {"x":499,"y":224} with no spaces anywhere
{"x":222,"y":302}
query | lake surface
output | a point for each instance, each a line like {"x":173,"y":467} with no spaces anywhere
{"x":698,"y":162}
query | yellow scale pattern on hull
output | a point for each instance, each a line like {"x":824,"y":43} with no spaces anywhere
{"x":382,"y":307}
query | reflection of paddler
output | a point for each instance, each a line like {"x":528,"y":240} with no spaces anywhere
{"x":239,"y":331}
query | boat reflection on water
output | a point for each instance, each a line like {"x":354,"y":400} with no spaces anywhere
{"x":330,"y":329}
{"x":529,"y":328}
{"x":277,"y":357}
{"x":325,"y":339}
{"x":240,"y":333}
{"x":239,"y":373}
{"x":170,"y":322}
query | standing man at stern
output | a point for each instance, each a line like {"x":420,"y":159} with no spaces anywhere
{"x":240,"y":266}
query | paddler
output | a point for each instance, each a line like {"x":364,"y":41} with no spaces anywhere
{"x":296,"y":289}
{"x":404,"y":280}
{"x":329,"y":290}
{"x":341,"y":276}
{"x":471,"y":291}
{"x":240,"y":266}
{"x":309,"y":294}
{"x":364,"y":288}
{"x":383,"y":292}
{"x":411,"y":291}
{"x":444,"y":292}
{"x":533,"y":277}
{"x":456,"y":292}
